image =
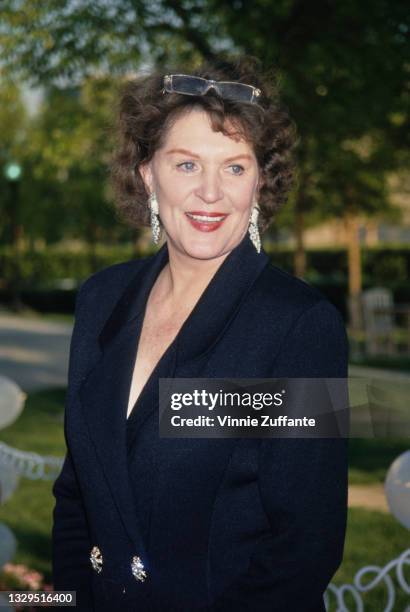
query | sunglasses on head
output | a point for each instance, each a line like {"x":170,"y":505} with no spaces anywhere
{"x":198,"y":86}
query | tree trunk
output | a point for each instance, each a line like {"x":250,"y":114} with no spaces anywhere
{"x":16,"y":233}
{"x":355,"y":269}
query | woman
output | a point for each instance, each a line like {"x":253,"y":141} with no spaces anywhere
{"x":145,"y":522}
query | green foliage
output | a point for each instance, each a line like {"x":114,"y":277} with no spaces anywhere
{"x":43,"y":42}
{"x":343,"y":72}
{"x":341,"y":66}
{"x":387,"y":266}
{"x":65,"y":152}
{"x":70,"y":144}
{"x":41,"y":269}
{"x":12,"y":119}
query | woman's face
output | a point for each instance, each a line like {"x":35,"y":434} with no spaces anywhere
{"x":205,"y":183}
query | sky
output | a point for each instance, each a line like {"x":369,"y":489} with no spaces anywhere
{"x":32,"y":98}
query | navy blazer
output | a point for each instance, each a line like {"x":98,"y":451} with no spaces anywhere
{"x":236,"y":524}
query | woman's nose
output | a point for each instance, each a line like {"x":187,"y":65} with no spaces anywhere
{"x":209,"y":188}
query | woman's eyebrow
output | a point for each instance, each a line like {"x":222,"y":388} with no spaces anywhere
{"x":241,"y":156}
{"x":191,"y":154}
{"x":183,"y":151}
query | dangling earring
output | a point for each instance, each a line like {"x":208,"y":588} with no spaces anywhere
{"x":155,"y":224}
{"x":253,"y":228}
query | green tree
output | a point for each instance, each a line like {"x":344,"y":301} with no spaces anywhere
{"x":342,"y":67}
{"x":13,"y":122}
{"x":67,"y":41}
{"x":70,"y":145}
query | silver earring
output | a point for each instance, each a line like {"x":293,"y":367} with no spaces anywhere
{"x":155,"y":224}
{"x":253,"y":228}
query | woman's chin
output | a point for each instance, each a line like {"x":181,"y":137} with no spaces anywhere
{"x":206,"y":247}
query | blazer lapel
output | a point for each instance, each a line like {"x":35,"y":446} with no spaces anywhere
{"x":104,"y":393}
{"x":220,"y":301}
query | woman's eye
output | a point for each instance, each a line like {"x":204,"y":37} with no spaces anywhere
{"x":237,"y":169}
{"x":186,"y":165}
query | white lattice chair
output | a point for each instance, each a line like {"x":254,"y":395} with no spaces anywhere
{"x":378,"y":320}
{"x":375,"y":575}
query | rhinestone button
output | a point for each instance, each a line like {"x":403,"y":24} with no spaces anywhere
{"x":137,"y":568}
{"x":96,"y":559}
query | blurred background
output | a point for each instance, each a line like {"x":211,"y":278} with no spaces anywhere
{"x":344,"y":70}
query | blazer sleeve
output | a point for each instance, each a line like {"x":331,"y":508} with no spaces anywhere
{"x":303,"y":487}
{"x":71,"y":546}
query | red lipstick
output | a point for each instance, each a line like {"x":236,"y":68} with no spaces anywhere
{"x":205,"y":221}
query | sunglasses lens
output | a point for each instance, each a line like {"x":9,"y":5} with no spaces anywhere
{"x":188,"y":85}
{"x":236,"y":91}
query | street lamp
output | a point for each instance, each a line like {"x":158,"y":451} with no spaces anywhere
{"x":13,"y":172}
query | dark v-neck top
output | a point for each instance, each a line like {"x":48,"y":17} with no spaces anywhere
{"x":142,"y":434}
{"x":142,"y":425}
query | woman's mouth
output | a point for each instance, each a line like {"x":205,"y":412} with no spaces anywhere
{"x":206,"y":222}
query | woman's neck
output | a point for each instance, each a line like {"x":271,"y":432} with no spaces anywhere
{"x":183,"y":279}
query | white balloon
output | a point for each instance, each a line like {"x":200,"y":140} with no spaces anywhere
{"x":9,"y":479}
{"x":397,"y":488}
{"x":8,"y":545}
{"x":4,"y":605}
{"x":12,"y":400}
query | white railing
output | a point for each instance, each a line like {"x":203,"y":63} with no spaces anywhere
{"x":29,"y":465}
{"x":378,"y":575}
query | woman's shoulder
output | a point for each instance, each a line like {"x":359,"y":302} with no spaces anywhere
{"x":307,"y":328}
{"x":279,"y":284}
{"x":293,"y":296}
{"x":99,"y":292}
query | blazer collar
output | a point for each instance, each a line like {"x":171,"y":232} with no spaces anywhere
{"x":216,"y":306}
{"x":133,"y":300}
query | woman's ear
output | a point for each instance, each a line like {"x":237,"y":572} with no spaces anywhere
{"x":146,"y":175}
{"x":261,"y":183}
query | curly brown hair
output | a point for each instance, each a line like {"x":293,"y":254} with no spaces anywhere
{"x":144,"y":116}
